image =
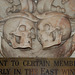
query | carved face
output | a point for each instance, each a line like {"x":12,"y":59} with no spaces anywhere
{"x":53,"y":30}
{"x":19,"y":32}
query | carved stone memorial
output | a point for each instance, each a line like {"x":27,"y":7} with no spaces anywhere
{"x":37,"y":28}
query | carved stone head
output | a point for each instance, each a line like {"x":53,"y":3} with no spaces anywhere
{"x":53,"y":30}
{"x":19,"y":32}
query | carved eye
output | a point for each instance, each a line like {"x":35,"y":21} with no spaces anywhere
{"x":22,"y":28}
{"x":47,"y":27}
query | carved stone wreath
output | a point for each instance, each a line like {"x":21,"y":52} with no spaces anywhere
{"x":37,"y":28}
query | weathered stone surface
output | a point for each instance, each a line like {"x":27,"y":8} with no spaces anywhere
{"x":37,"y":28}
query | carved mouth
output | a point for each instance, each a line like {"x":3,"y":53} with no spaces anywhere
{"x":18,"y":38}
{"x":24,"y":49}
{"x":54,"y":40}
{"x":21,"y":47}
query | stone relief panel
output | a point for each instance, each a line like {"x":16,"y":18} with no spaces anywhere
{"x":37,"y":28}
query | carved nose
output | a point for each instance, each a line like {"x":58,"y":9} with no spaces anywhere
{"x":18,"y":38}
